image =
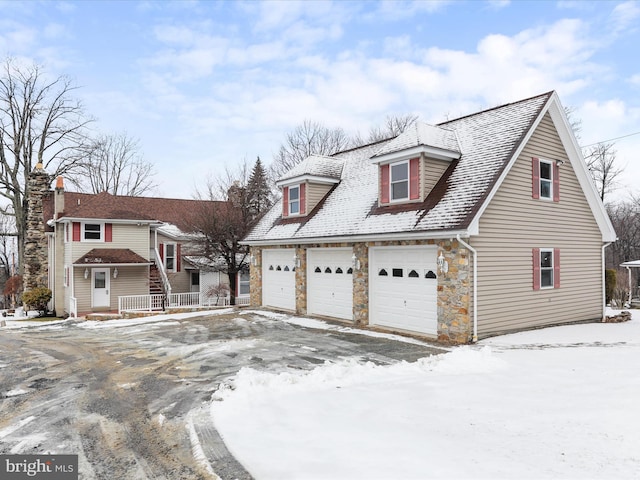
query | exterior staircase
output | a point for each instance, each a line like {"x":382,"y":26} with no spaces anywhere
{"x":155,"y":281}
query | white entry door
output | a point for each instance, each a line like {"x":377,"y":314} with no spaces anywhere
{"x":100,"y":286}
{"x":403,"y":288}
{"x":279,"y":278}
{"x":330,"y":282}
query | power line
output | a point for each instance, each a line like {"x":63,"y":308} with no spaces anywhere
{"x":611,"y":139}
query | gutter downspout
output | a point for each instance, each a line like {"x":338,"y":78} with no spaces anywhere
{"x":475,"y":286}
{"x":604,"y":293}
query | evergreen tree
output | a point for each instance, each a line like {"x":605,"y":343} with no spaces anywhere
{"x":258,"y":192}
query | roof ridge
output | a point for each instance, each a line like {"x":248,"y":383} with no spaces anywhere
{"x":547,"y":94}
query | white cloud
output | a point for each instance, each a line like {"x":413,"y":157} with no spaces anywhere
{"x":625,"y":16}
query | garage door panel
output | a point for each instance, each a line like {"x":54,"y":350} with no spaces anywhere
{"x":403,"y":288}
{"x":330,"y":282}
{"x":278,"y":278}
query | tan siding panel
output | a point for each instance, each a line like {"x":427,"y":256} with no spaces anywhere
{"x":515,"y":223}
{"x":315,"y":194}
{"x":432,"y":171}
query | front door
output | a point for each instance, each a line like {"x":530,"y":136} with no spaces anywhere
{"x":100,"y":287}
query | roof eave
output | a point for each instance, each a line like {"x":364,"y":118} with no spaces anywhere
{"x":394,"y":236}
{"x":307,"y":178}
{"x":406,"y":154}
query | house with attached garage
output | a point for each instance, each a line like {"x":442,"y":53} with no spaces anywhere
{"x":477,"y":226}
{"x":103,"y":248}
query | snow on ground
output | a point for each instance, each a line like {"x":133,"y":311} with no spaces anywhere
{"x":560,"y":402}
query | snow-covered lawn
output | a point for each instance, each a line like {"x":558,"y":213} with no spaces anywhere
{"x":560,"y":402}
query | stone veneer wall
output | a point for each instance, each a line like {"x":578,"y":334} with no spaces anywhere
{"x":35,"y":248}
{"x":255,"y":277}
{"x":454,"y":287}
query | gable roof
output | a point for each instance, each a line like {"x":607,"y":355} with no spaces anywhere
{"x":316,"y":166}
{"x":420,"y":137}
{"x":489,"y":143}
{"x":104,"y":206}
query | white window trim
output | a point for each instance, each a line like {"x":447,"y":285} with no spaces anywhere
{"x":174,"y":256}
{"x":550,"y":180}
{"x":552,"y":268}
{"x":248,"y":282}
{"x":403,"y":199}
{"x":92,"y":240}
{"x":297,"y":201}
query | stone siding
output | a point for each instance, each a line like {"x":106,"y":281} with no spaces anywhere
{"x":35,"y":248}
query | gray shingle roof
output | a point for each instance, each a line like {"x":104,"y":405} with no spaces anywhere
{"x":487,"y":140}
{"x":422,"y":134}
{"x":316,"y":166}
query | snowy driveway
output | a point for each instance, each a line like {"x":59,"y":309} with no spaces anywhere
{"x":132,"y":398}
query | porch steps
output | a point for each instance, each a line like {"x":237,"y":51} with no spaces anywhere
{"x":155,"y":281}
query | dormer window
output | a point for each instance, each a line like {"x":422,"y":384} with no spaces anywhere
{"x":294,"y":200}
{"x":399,"y":182}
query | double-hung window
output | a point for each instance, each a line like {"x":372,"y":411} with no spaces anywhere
{"x":170,"y":257}
{"x":243,"y":283}
{"x":546,"y":268}
{"x":294,"y":200}
{"x":399,"y":181}
{"x":546,"y":179}
{"x":93,"y":232}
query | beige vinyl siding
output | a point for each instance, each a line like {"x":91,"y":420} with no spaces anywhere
{"x":123,"y":236}
{"x":314,"y":195}
{"x":513,"y":224}
{"x":432,"y":170}
{"x":130,"y":281}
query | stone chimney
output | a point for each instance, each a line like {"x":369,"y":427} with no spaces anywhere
{"x":35,"y":248}
{"x":58,"y":198}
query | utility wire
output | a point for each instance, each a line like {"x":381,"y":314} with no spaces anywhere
{"x":611,"y":139}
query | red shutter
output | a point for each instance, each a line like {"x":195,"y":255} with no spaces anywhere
{"x":556,"y":182}
{"x":384,"y":184}
{"x":285,"y":202}
{"x":303,"y":208}
{"x":108,"y":232}
{"x":161,"y":251}
{"x":414,"y":178}
{"x":76,"y":231}
{"x":178,"y":249}
{"x":536,"y":268}
{"x":535,"y":177}
{"x":556,"y":268}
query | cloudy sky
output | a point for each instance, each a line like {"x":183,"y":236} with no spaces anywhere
{"x":204,"y":85}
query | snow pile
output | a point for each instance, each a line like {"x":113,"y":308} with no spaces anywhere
{"x":554,"y":403}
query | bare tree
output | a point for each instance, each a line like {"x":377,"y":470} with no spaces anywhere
{"x":601,"y":160}
{"x":225,"y":219}
{"x":113,"y":164}
{"x":39,"y":123}
{"x":309,"y":138}
{"x":574,"y":122}
{"x":393,"y":126}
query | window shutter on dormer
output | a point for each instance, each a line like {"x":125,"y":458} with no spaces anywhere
{"x":556,"y":268}
{"x":384,"y":184}
{"x":535,"y":177}
{"x":285,"y":201}
{"x":536,"y":268}
{"x":556,"y":182}
{"x":414,"y":178}
{"x":76,"y":231}
{"x":303,"y":208}
{"x":108,"y":232}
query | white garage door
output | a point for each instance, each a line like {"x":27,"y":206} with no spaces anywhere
{"x":403,"y":288}
{"x":279,"y":278}
{"x":330,"y":282}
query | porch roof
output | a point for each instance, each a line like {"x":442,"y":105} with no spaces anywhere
{"x":631,"y":264}
{"x":111,"y":256}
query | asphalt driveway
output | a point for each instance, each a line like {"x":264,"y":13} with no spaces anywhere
{"x":131,"y":398}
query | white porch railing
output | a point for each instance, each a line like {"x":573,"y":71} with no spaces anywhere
{"x":158,"y":302}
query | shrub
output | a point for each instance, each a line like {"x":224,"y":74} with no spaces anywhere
{"x":37,"y":298}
